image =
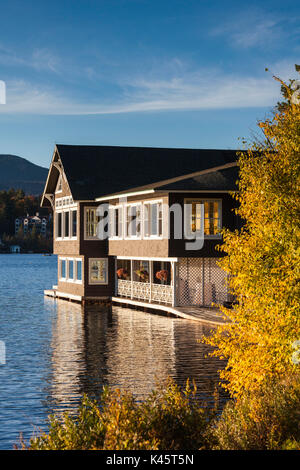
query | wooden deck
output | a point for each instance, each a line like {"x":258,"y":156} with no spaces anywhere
{"x":209,"y":315}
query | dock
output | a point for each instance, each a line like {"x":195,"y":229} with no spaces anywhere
{"x":209,"y":315}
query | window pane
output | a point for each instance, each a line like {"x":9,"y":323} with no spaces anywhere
{"x":79,"y":270}
{"x":211,"y":217}
{"x":74,"y":223}
{"x":124,"y":269}
{"x":153,"y":219}
{"x":161,"y":272}
{"x":59,"y":224}
{"x":141,"y":271}
{"x":146,"y":220}
{"x":91,"y":220}
{"x":67,"y":215}
{"x":63,"y":268}
{"x":160,"y":220}
{"x":71,"y":269}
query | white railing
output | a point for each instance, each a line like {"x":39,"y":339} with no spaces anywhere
{"x":145,"y":291}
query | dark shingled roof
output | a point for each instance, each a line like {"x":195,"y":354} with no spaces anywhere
{"x":218,"y":180}
{"x":95,"y":171}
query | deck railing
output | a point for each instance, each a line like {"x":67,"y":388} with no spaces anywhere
{"x":145,"y":291}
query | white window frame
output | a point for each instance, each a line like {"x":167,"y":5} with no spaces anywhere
{"x":67,"y":260}
{"x":125,"y":211}
{"x":85,"y":236}
{"x":62,"y":209}
{"x":216,"y":236}
{"x":92,"y":283}
{"x":153,"y":237}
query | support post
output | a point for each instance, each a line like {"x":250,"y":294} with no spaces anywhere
{"x":131,"y":270}
{"x":174,"y":283}
{"x":150,"y":280}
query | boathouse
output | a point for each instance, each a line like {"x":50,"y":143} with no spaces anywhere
{"x":143,"y":261}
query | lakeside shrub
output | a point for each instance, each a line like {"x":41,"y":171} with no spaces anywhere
{"x":170,"y":418}
{"x":267,"y":419}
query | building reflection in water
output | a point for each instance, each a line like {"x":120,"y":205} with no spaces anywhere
{"x":124,"y":348}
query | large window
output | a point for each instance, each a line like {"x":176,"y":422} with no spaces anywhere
{"x":153,"y":219}
{"x":98,"y":271}
{"x":70,"y":269}
{"x":91,"y":222}
{"x":136,"y":220}
{"x":65,"y":218}
{"x":212,"y":216}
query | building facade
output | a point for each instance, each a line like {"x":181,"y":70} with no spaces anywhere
{"x":141,"y":225}
{"x":29,"y":224}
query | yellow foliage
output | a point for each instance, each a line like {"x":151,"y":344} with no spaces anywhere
{"x":263,"y":259}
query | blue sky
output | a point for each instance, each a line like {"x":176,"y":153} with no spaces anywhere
{"x":172,"y":73}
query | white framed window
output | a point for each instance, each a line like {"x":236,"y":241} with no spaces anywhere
{"x":133,"y":219}
{"x":98,"y":271}
{"x":212,"y":216}
{"x":116,"y":221}
{"x":70,"y":269}
{"x":91,"y":220}
{"x":153,"y":219}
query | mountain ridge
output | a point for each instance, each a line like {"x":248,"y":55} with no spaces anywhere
{"x":19,"y":173}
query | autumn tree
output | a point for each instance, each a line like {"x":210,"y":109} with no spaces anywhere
{"x":263,"y":259}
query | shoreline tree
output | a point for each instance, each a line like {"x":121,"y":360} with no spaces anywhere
{"x":263,"y":262}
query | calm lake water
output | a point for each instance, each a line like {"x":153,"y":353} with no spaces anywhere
{"x":56,"y":350}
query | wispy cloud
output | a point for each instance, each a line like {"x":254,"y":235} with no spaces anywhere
{"x":192,"y":92}
{"x":253,"y":28}
{"x":38,"y":59}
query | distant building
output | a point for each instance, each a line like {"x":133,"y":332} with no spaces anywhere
{"x":27,"y":224}
{"x":15,"y":249}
